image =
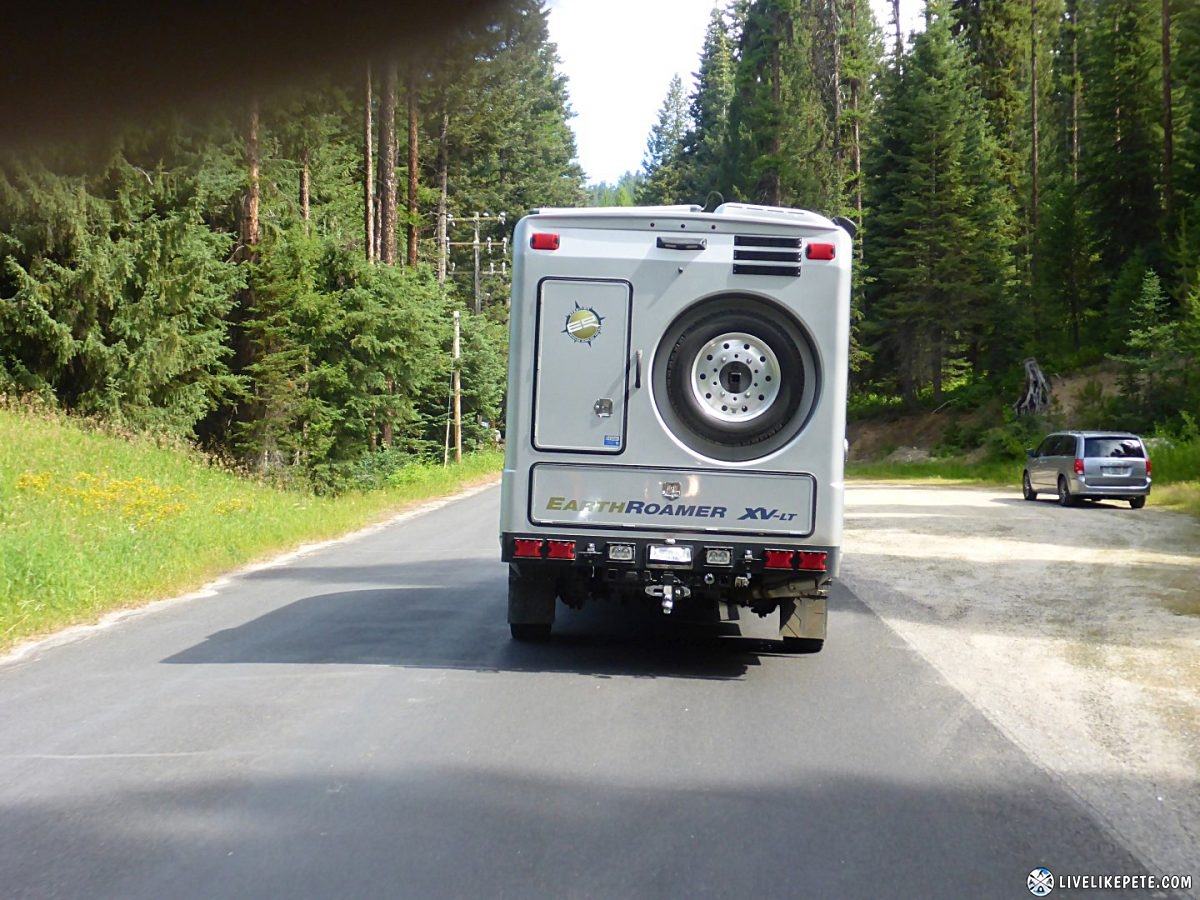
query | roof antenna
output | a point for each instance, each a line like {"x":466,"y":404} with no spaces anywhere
{"x":710,"y":204}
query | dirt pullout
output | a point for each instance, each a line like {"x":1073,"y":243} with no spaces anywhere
{"x":1058,"y":624}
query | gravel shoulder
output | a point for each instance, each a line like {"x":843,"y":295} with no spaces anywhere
{"x":1075,"y":630}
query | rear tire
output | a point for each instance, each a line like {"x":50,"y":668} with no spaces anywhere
{"x":1064,"y":493}
{"x":1137,"y":502}
{"x":1027,"y":490}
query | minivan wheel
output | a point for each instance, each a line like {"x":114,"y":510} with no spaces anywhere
{"x":1064,"y":493}
{"x":1027,"y":490}
{"x":1137,"y":502}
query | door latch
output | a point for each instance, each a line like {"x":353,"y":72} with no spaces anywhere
{"x":603,"y":408}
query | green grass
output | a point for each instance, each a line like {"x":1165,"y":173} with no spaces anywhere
{"x":1175,"y":461}
{"x":91,"y":522}
{"x":943,"y":469}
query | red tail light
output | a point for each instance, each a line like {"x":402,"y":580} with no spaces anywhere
{"x":1148,"y":465}
{"x":777,"y":559}
{"x":819,"y":251}
{"x":527,"y":548}
{"x":1079,"y":467}
{"x":544,"y":241}
{"x":813,"y":560}
{"x":560,"y":549}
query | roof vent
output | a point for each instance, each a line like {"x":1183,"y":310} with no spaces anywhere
{"x":760,"y":255}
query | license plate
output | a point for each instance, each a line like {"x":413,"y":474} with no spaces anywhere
{"x":1115,"y":470}
{"x":670,"y":554}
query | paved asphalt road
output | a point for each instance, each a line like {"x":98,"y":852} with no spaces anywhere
{"x":358,"y":724}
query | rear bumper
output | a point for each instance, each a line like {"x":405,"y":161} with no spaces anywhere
{"x":745,"y":557}
{"x":1083,"y":488}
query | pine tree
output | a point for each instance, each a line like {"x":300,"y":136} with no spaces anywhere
{"x":942,"y":223}
{"x":662,"y":166}
{"x":1122,"y":129}
{"x":115,"y":291}
{"x":707,"y":137}
{"x":782,"y":122}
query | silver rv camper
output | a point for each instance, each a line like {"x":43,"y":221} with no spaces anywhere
{"x":676,"y":412}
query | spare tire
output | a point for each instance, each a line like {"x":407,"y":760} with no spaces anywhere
{"x":739,"y":377}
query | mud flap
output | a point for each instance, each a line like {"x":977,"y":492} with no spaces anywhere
{"x":530,"y":599}
{"x":802,"y":617}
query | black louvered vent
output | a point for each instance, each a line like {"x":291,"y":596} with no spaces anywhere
{"x":756,"y":255}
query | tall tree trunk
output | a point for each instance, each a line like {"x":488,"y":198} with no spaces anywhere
{"x":896,"y":19}
{"x":774,"y":187}
{"x":249,"y":230}
{"x":1168,"y":137}
{"x":304,"y":186}
{"x":369,"y":177}
{"x":388,"y":432}
{"x":375,"y":213}
{"x":1076,"y":89}
{"x":263,"y":452}
{"x":1034,"y":199}
{"x":443,"y":193}
{"x":935,"y":362}
{"x":387,"y":167}
{"x":856,"y":150}
{"x":835,"y":35}
{"x":413,"y":163}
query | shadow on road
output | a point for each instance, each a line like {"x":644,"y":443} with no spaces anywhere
{"x":420,"y":623}
{"x":458,"y":831}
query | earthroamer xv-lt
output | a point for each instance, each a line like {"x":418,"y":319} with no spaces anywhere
{"x":676,"y":412}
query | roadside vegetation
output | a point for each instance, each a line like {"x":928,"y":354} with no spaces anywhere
{"x":965,"y":440}
{"x":94,"y":521}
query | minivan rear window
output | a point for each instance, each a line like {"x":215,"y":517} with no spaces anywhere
{"x":1120,"y":448}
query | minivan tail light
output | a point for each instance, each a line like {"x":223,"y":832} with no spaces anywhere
{"x":1079,"y":467}
{"x":1148,"y":466}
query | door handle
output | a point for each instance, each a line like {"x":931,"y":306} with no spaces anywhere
{"x":682,"y":243}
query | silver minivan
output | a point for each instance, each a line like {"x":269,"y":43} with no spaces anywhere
{"x":1095,"y":465}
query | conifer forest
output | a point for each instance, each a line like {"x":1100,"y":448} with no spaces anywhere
{"x":277,"y":281}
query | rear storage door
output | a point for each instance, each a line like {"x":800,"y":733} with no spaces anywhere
{"x":582,"y":372}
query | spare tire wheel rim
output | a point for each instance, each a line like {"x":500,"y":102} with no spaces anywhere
{"x":735,"y":377}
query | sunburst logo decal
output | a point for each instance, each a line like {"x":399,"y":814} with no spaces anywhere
{"x":583,"y":324}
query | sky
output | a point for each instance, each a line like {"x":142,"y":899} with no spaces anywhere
{"x":619,"y":56}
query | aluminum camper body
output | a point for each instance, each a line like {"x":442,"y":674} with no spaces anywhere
{"x":676,"y":412}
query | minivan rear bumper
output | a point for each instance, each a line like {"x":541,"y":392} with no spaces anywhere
{"x":1083,"y":488}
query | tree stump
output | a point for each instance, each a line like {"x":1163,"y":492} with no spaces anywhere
{"x":1036,"y":398}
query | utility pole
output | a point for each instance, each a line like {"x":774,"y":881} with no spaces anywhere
{"x":476,"y":245}
{"x":457,"y":392}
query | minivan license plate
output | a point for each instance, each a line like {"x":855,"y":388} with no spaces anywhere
{"x":1115,"y":470}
